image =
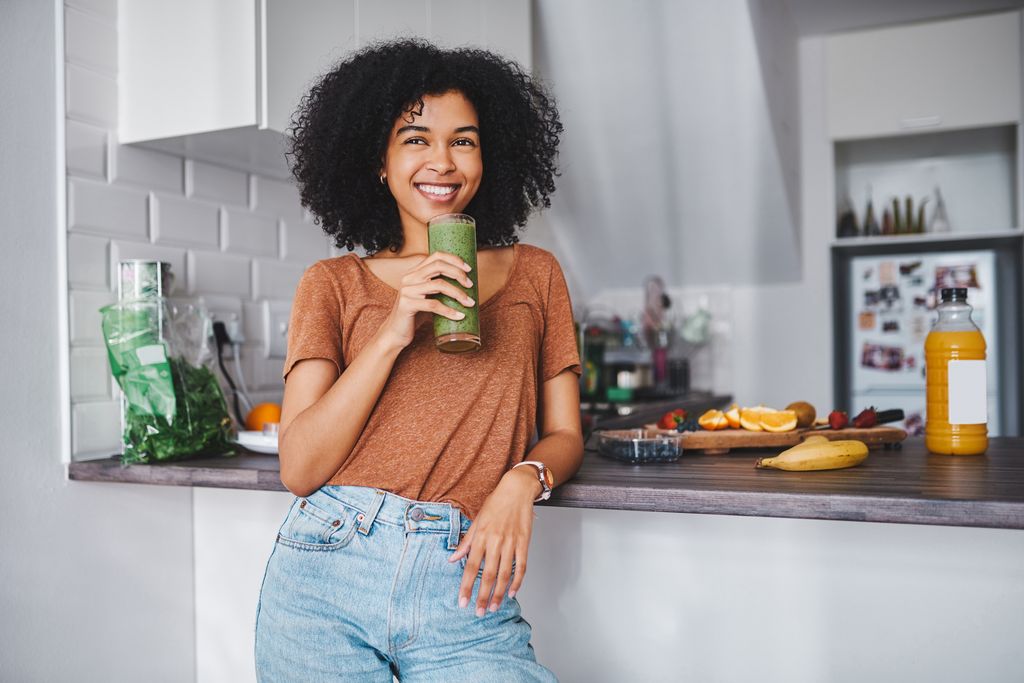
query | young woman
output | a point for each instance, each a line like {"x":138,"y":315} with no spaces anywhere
{"x":411,"y":518}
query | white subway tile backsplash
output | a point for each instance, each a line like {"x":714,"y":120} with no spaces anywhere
{"x":148,"y":168}
{"x":218,"y":274}
{"x":103,"y":8}
{"x":90,"y":41}
{"x":275,"y":278}
{"x":252,"y":316}
{"x":224,"y":185}
{"x":186,"y":221}
{"x":91,"y":96}
{"x":98,"y":207}
{"x":304,"y":242}
{"x":95,"y":428}
{"x":250,"y":233}
{"x":85,"y":308}
{"x":90,"y":374}
{"x":87,"y":261}
{"x":275,"y":197}
{"x":261,"y":373}
{"x":122,"y":250}
{"x":86,"y":149}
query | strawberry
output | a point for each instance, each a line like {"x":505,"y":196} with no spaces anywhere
{"x":672,"y":418}
{"x":838,"y":419}
{"x":867,"y":418}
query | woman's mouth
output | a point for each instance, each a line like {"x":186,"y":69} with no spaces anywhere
{"x":438,"y":192}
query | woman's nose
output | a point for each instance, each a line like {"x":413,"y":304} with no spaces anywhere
{"x":441,"y":161}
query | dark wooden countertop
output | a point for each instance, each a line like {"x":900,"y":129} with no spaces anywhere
{"x":907,"y":486}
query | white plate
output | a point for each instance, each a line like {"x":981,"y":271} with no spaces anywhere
{"x":256,"y":441}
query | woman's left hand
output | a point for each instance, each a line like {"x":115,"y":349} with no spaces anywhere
{"x":501,"y":534}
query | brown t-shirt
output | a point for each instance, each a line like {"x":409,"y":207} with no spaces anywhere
{"x":446,"y":426}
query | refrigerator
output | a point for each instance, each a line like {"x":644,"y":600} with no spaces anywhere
{"x":885,"y":307}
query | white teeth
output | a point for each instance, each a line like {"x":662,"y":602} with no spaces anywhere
{"x":437,"y":189}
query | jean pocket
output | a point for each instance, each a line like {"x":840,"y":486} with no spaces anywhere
{"x":311,"y":527}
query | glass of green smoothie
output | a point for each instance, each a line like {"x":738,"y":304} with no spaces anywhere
{"x":455,"y":233}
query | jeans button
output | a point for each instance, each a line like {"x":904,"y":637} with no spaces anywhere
{"x":416,"y":514}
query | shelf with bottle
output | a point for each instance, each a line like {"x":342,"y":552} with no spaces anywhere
{"x":944,"y":183}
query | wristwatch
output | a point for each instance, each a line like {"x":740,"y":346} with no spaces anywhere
{"x":547,"y":480}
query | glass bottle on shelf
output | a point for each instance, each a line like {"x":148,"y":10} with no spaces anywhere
{"x":871,"y":227}
{"x":940,"y":221}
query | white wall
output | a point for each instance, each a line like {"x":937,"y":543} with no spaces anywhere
{"x":95,"y":579}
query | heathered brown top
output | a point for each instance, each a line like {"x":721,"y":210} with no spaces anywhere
{"x":446,"y":426}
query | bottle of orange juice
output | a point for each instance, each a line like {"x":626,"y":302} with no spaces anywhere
{"x":957,"y":418}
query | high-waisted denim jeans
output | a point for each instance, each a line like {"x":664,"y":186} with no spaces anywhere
{"x":359,"y":586}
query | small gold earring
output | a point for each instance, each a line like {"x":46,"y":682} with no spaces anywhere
{"x":383,"y":178}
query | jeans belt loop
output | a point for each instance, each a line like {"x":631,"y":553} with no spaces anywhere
{"x":456,"y":529}
{"x":371,"y":513}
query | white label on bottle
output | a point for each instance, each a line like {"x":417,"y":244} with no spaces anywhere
{"x":151,"y":355}
{"x":968,"y":392}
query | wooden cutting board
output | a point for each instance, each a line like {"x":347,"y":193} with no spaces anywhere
{"x":724,"y":440}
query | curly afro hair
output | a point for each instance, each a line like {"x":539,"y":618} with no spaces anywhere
{"x":341,"y":130}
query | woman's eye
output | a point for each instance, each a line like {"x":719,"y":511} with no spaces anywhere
{"x":465,"y":142}
{"x":414,"y":141}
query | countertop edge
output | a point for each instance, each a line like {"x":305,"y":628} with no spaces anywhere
{"x":883,"y":509}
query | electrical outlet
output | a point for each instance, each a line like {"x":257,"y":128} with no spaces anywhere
{"x":276,"y":316}
{"x":227,"y":310}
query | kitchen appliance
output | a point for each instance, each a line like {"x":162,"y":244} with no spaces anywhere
{"x":884,"y":306}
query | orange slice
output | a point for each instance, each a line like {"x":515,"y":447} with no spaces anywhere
{"x":713,"y":420}
{"x":750,"y":419}
{"x":779,"y":421}
{"x":733,"y":416}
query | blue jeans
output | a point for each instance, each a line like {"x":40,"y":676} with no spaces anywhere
{"x":359,"y":587}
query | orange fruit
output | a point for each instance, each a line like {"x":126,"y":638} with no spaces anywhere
{"x":261,"y":413}
{"x":779,"y":421}
{"x":713,"y":420}
{"x":750,"y":419}
{"x":733,"y":416}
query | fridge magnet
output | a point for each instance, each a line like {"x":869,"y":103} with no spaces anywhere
{"x":909,"y":267}
{"x":890,"y":326}
{"x":889,"y":299}
{"x":881,"y":357}
{"x":956,"y":276}
{"x":866,"y":321}
{"x":887,"y":273}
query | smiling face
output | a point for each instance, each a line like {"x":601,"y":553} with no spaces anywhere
{"x":433,"y":161}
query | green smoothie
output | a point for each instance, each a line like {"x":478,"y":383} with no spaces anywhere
{"x":455,"y":233}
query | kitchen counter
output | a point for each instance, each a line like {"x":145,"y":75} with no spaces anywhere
{"x":907,"y":486}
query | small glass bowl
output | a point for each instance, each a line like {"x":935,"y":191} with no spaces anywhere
{"x":639,"y":445}
{"x":270,"y":428}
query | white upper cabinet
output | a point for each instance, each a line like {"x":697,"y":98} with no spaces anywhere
{"x":942,"y":75}
{"x":219,"y":81}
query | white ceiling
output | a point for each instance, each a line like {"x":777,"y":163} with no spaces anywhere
{"x":813,"y":17}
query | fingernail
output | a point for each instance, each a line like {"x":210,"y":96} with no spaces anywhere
{"x":463,"y":601}
{"x":480,"y":611}
{"x":469,"y":283}
{"x":466,"y":267}
{"x":469,"y":301}
{"x":494,"y":608}
{"x":460,"y":315}
{"x":511,"y":594}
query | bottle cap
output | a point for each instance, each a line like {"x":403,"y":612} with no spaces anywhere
{"x":954,"y":294}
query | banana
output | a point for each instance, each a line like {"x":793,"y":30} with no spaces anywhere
{"x":815,"y":455}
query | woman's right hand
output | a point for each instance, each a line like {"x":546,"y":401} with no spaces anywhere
{"x":414,"y":302}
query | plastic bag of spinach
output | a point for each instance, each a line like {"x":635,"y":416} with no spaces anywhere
{"x":172,"y":405}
